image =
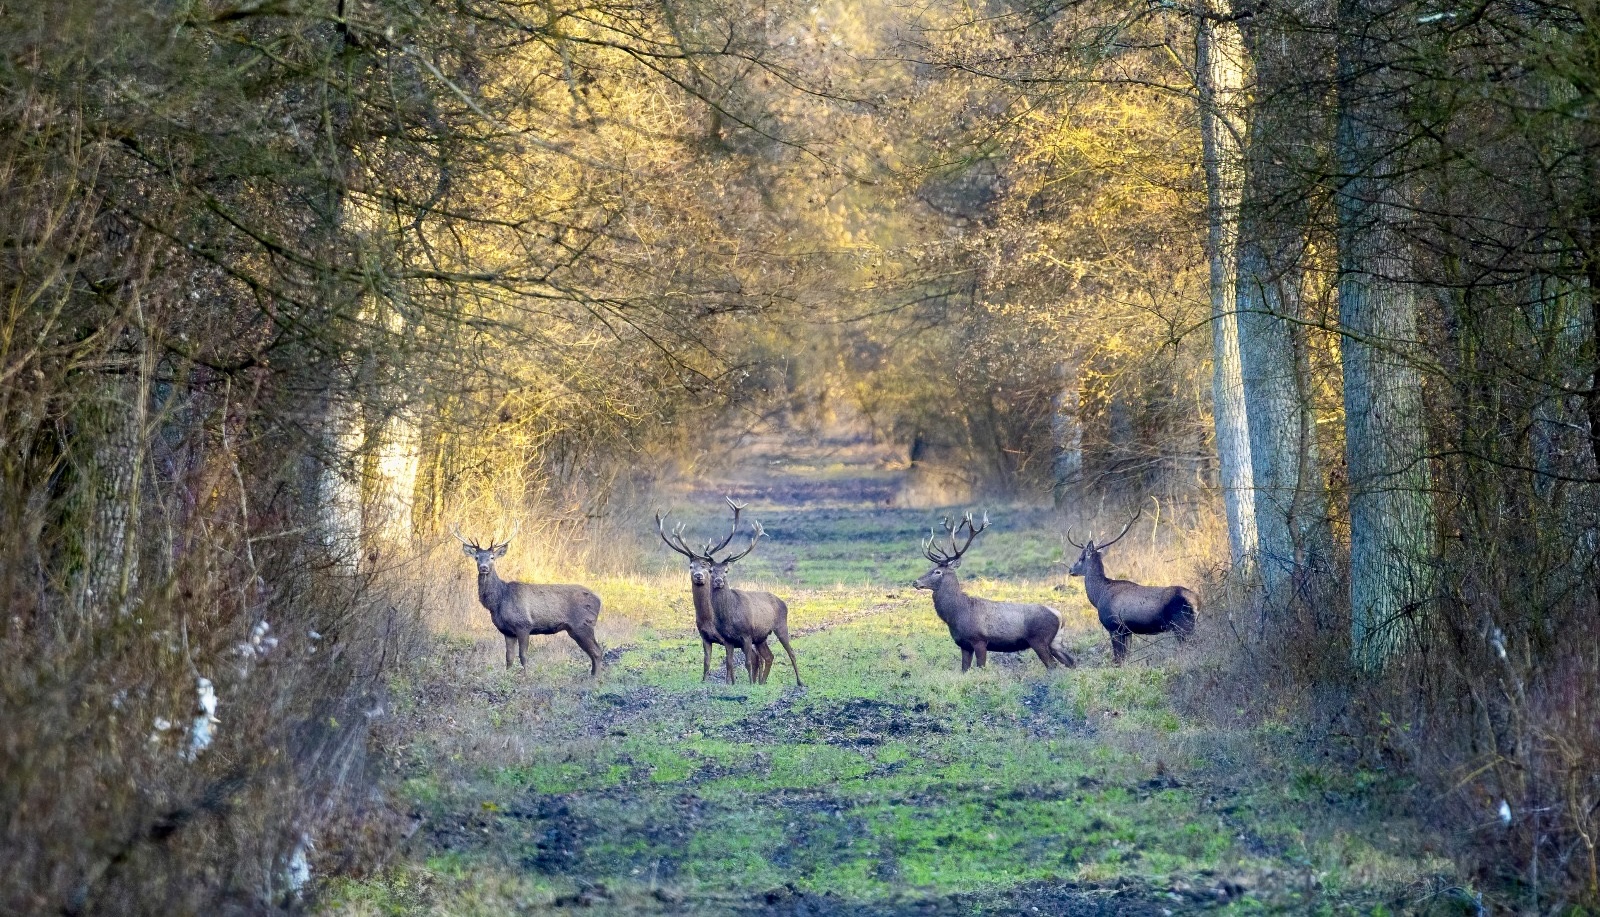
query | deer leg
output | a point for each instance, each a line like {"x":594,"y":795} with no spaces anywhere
{"x":705,"y":672}
{"x":727,"y":661}
{"x":1119,"y":645}
{"x":783,"y":638}
{"x":764,"y":659}
{"x":981,"y":650}
{"x":510,"y":642}
{"x":1043,"y":651}
{"x":587,"y":643}
{"x":966,"y":659}
{"x":522,"y":649}
{"x":750,"y":662}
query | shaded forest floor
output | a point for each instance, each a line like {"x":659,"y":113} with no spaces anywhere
{"x":891,"y":783}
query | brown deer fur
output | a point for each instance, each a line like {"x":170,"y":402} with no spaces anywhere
{"x":1127,"y":608}
{"x":705,"y":619}
{"x":519,"y":610}
{"x":980,"y":625}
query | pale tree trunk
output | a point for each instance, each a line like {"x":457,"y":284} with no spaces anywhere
{"x":340,"y":491}
{"x":1219,"y":76}
{"x":1290,"y":499}
{"x":118,"y":417}
{"x":369,"y":486}
{"x":398,"y":458}
{"x":1391,"y":523}
{"x":1066,"y":431}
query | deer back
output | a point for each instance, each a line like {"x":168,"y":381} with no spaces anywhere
{"x":1011,"y":622}
{"x":1137,"y":605}
{"x":742,"y":612}
{"x":546,"y":608}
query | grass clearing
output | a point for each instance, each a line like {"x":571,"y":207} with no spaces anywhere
{"x":892,"y":784}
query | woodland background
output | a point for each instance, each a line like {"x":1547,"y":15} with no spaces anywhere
{"x":291,"y":287}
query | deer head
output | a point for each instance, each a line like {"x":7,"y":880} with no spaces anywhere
{"x":484,"y":557}
{"x":946,"y":560}
{"x":1080,"y":567}
{"x":719,"y":568}
{"x":703,"y":564}
{"x":700,"y":562}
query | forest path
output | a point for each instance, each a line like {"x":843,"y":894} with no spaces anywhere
{"x":892,"y":784}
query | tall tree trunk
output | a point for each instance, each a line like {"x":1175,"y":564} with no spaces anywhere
{"x":1219,"y":76}
{"x":397,"y":461}
{"x":1391,"y":528}
{"x":116,"y":426}
{"x":1066,"y":431}
{"x":340,"y":491}
{"x":1290,"y":499}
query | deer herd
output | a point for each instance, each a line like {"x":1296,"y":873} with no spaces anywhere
{"x":744,"y":619}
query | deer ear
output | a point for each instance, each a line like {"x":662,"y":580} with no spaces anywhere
{"x":954,"y":563}
{"x":467,"y":550}
{"x":501,"y":551}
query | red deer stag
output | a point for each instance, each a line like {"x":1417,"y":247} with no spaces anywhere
{"x":521,"y":609}
{"x":705,"y":619}
{"x":981,"y":625}
{"x":746,"y":617}
{"x":1128,"y":608}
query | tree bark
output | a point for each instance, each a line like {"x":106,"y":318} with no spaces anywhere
{"x":397,"y":463}
{"x":1391,"y":528}
{"x":117,"y":420}
{"x":1290,"y":498}
{"x":1219,"y":77}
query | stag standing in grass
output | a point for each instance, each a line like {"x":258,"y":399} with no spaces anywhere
{"x":979,"y":626}
{"x":705,"y":619}
{"x":521,"y":609}
{"x":1128,"y":608}
{"x":746,"y":618}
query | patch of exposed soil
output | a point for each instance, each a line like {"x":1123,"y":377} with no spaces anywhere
{"x":1069,"y":899}
{"x":856,"y":723}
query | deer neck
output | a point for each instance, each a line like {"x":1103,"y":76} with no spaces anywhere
{"x":491,"y":589}
{"x":949,"y":602}
{"x":726,"y":609}
{"x":1094,"y":579}
{"x":703,"y":613}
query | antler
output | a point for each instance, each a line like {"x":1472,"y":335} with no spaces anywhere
{"x":737,"y":508}
{"x":756,"y":531}
{"x":931,"y":551}
{"x":455,"y":529}
{"x":942,"y":557}
{"x":514,"y":530}
{"x":680,"y":547}
{"x":1124,"y":529}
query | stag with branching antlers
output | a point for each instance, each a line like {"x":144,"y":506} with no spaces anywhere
{"x":1127,"y":608}
{"x":745,"y":618}
{"x":705,"y":619}
{"x":980,"y":626}
{"x":522,"y":609}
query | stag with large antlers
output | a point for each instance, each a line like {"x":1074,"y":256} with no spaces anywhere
{"x":744,"y":617}
{"x":521,"y":609}
{"x":980,"y":626}
{"x":705,"y":619}
{"x":1128,"y":608}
